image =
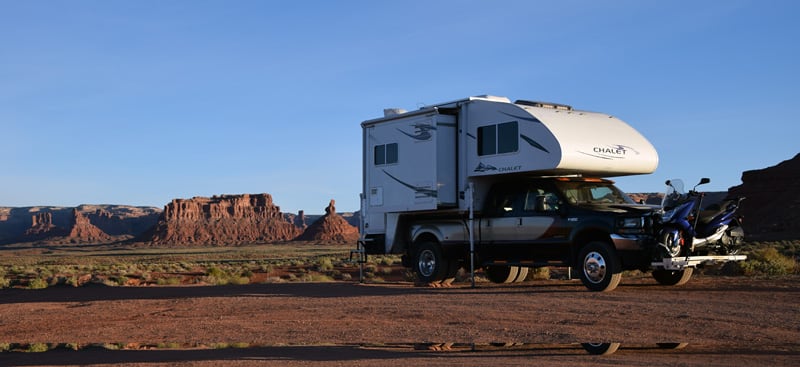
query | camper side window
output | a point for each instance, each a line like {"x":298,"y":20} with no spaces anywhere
{"x":386,"y":154}
{"x":498,"y":139}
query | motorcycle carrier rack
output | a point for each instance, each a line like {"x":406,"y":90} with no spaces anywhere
{"x":679,"y":263}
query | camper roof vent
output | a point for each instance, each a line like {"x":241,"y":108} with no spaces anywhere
{"x":389,"y":112}
{"x":555,"y":106}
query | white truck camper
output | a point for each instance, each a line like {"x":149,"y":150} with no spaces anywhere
{"x":504,"y":186}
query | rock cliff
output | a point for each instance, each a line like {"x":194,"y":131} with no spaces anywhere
{"x":330,"y":227}
{"x":83,"y":231}
{"x":38,"y":223}
{"x":42,"y":226}
{"x":771,"y":209}
{"x":221,"y":220}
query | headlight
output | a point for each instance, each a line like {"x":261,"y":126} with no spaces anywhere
{"x":631,"y":223}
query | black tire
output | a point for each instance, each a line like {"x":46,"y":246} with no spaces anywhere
{"x":501,"y":274}
{"x":429,"y":263}
{"x":599,"y":267}
{"x":600,"y":348}
{"x":672,"y":345}
{"x":672,"y":277}
{"x":452,"y":271}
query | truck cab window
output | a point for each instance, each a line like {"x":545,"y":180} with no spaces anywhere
{"x":541,"y":201}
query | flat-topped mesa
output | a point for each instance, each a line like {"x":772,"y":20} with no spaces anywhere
{"x":222,"y":220}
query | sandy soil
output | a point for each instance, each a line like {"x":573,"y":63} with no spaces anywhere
{"x":726,"y":321}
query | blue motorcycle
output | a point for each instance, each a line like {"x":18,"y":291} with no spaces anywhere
{"x":687,"y":228}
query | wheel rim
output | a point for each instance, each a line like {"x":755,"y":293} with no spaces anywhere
{"x":673,"y":243}
{"x":594,"y":267}
{"x":426,"y":263}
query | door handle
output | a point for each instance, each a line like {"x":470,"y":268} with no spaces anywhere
{"x":520,"y":221}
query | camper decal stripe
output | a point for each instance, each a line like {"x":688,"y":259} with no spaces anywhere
{"x":421,"y":132}
{"x":526,"y":118}
{"x":533,"y":143}
{"x":420,"y":191}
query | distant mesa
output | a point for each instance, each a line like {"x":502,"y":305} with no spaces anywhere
{"x":79,"y":230}
{"x":81,"y":224}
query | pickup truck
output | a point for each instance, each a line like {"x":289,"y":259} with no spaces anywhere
{"x":584,"y":223}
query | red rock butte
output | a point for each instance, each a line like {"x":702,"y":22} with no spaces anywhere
{"x":330,"y":227}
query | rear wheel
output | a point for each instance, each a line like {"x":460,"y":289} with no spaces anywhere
{"x":429,"y":263}
{"x":673,"y":277}
{"x":601,"y":269}
{"x":501,"y":274}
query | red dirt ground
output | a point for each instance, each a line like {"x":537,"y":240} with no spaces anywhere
{"x":726,"y":321}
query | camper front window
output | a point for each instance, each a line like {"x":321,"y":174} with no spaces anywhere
{"x":498,"y":139}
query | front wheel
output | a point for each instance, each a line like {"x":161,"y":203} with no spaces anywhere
{"x":672,"y":277}
{"x":429,"y":263}
{"x":600,"y":348}
{"x":601,"y":269}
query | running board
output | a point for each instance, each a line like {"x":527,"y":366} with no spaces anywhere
{"x":678,"y":263}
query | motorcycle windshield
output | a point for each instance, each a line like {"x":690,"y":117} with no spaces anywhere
{"x":674,"y":194}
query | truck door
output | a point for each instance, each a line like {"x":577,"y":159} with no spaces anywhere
{"x":540,"y":211}
{"x":502,"y":221}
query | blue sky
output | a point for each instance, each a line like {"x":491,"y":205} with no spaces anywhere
{"x":140,"y":102}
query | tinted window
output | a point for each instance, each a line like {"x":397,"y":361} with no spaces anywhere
{"x":391,"y":153}
{"x":507,"y":137}
{"x":487,"y":140}
{"x":380,"y":154}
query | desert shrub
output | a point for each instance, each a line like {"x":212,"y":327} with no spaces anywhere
{"x":170,"y":345}
{"x":5,"y":347}
{"x":345,"y":277}
{"x":316,"y":277}
{"x":169,"y":281}
{"x":542,"y":273}
{"x":239,"y":280}
{"x":386,"y":271}
{"x":5,"y":282}
{"x":325,"y":264}
{"x":768,"y":261}
{"x":38,"y":283}
{"x":240,"y":345}
{"x":37,"y":348}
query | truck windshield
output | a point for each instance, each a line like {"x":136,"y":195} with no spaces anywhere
{"x":582,"y":192}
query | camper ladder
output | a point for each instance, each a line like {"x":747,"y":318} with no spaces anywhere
{"x":361,"y":258}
